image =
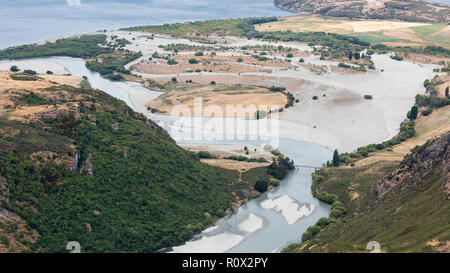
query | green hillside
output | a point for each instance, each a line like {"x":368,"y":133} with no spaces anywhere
{"x":404,"y":207}
{"x":132,"y":190}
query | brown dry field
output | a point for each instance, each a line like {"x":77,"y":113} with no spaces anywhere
{"x":233,"y":59}
{"x":12,"y":109}
{"x":427,"y":127}
{"x":232,"y":80}
{"x":215,"y":100}
{"x":335,"y":25}
{"x":161,"y":69}
{"x":241,"y":166}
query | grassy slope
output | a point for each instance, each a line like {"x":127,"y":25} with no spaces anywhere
{"x":405,"y":219}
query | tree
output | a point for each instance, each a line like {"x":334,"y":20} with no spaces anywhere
{"x":261,"y":185}
{"x":446,"y":91}
{"x":357,"y":56}
{"x":29,"y":72}
{"x":174,"y":79}
{"x":336,"y":158}
{"x":350,"y":55}
{"x":14,"y":68}
{"x":413,"y":113}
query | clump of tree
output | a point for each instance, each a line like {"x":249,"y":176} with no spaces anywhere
{"x":262,"y":185}
{"x":206,"y":155}
{"x":277,"y":89}
{"x":336,"y":158}
{"x":29,"y":72}
{"x":280,"y":167}
{"x":412,"y":114}
{"x":172,"y":62}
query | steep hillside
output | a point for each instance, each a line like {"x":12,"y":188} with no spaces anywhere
{"x":405,"y":207}
{"x":79,"y":165}
{"x":407,"y":10}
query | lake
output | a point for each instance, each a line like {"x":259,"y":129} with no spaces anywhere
{"x":25,"y":21}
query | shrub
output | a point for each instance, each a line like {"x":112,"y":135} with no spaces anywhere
{"x":336,"y":158}
{"x":171,"y":62}
{"x":213,"y":82}
{"x":277,"y":89}
{"x":343,"y":65}
{"x":206,"y":155}
{"x":310,"y":232}
{"x":302,"y":60}
{"x":193,"y":61}
{"x":49,"y":72}
{"x":14,"y":68}
{"x":261,"y":185}
{"x":199,"y":53}
{"x":326,"y":197}
{"x":368,"y":97}
{"x":412,"y":115}
{"x":240,"y":60}
{"x":29,"y":72}
{"x":290,"y":248}
{"x":274,"y":182}
{"x":174,"y":79}
{"x":116,"y":77}
{"x":323,"y":222}
{"x":315,"y":98}
{"x":427,"y":112}
{"x":289,"y":55}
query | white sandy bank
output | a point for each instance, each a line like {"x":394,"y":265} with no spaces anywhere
{"x":251,"y":224}
{"x":210,"y":244}
{"x":288,"y":208}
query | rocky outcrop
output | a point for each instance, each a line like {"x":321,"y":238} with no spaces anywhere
{"x":88,"y":166}
{"x":429,"y":159}
{"x":4,"y":190}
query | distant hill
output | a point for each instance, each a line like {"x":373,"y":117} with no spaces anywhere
{"x":406,"y":10}
{"x":404,"y":207}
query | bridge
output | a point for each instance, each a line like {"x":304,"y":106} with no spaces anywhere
{"x":308,"y":166}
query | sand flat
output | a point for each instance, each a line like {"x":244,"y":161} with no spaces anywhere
{"x":288,"y":207}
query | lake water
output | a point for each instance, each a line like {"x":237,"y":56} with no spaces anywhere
{"x":25,"y":21}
